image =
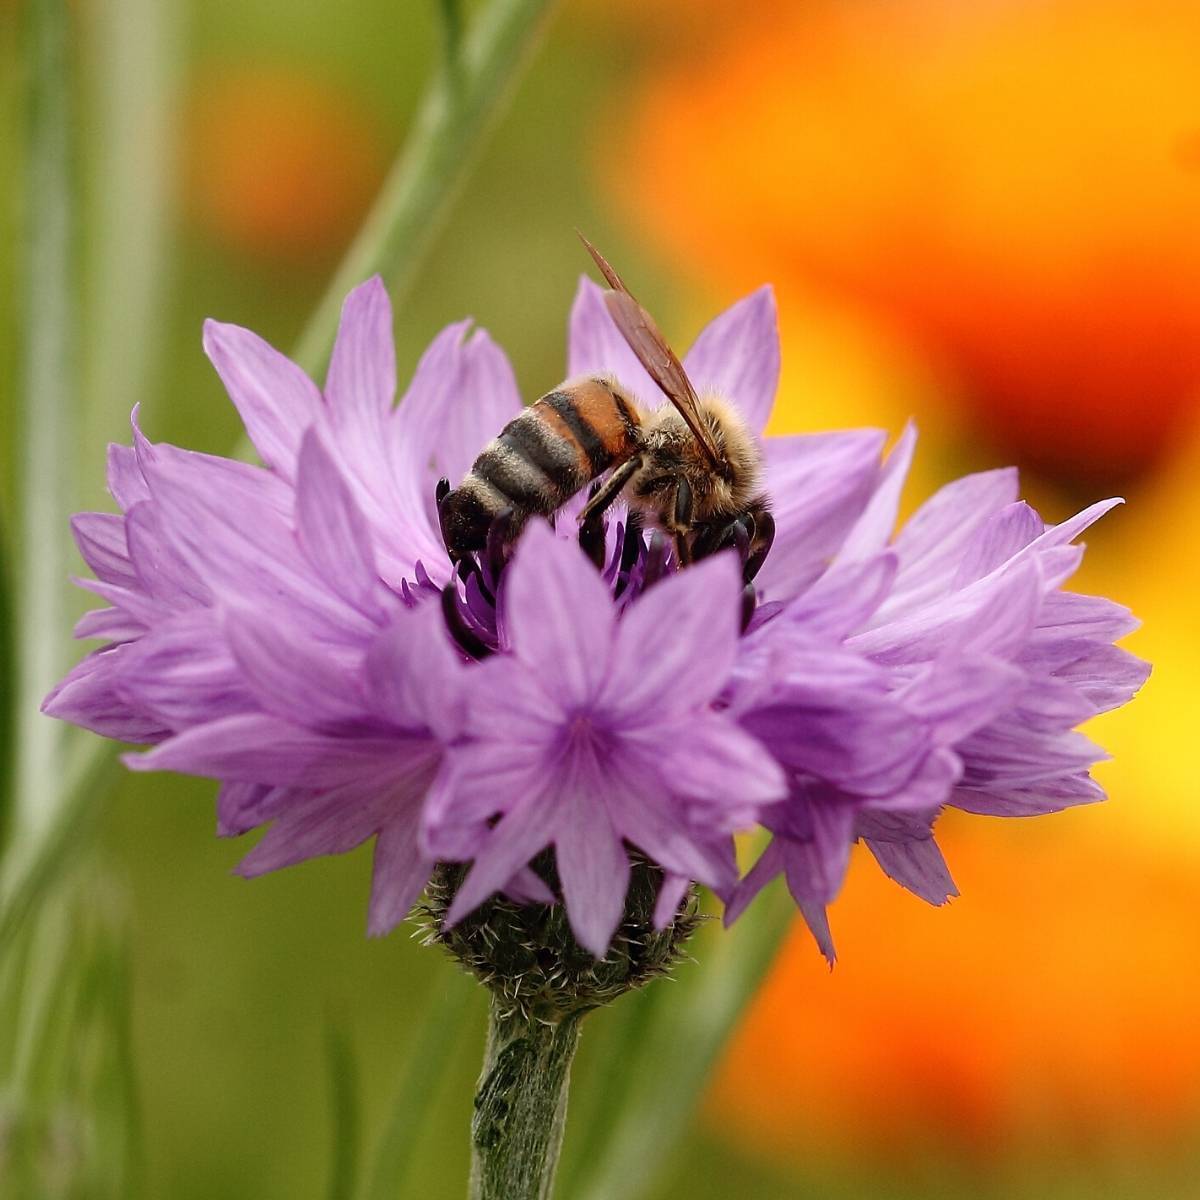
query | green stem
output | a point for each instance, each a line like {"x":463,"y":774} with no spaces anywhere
{"x":47,"y":401}
{"x":466,"y":98}
{"x":521,"y":1106}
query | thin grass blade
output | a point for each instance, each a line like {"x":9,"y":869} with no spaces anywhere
{"x":343,"y":1099}
{"x":434,"y":1045}
{"x":47,"y":407}
{"x":690,"y":1026}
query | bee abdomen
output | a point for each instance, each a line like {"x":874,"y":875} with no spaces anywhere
{"x":530,"y":464}
{"x":528,"y":468}
{"x":539,"y":460}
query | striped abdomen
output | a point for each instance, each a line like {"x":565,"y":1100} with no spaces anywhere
{"x":540,"y":459}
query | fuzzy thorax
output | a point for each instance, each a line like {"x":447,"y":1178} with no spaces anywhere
{"x":671,"y":451}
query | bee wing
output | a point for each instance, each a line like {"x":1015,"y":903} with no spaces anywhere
{"x":647,"y":342}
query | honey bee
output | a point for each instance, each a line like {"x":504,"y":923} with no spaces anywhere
{"x":692,"y":468}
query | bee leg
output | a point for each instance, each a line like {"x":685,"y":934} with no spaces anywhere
{"x":749,"y":603}
{"x":631,"y":549}
{"x":591,"y":540}
{"x":684,"y":509}
{"x":610,"y":489}
{"x":764,"y":537}
{"x":683,"y":503}
{"x":499,"y":536}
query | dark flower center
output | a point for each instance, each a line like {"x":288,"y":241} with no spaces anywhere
{"x":630,"y":563}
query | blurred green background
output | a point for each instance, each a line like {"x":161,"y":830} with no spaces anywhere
{"x":942,"y":195}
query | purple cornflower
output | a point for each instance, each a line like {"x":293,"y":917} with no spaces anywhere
{"x":298,"y":632}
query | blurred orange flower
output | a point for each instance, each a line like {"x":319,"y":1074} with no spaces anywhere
{"x":1051,"y":1008}
{"x":990,"y":205}
{"x":280,"y":165}
{"x":1014,"y":186}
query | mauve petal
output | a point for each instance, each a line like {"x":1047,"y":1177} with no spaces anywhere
{"x":671,"y":894}
{"x":86,"y":696}
{"x":766,"y":868}
{"x":1070,"y":529}
{"x":1051,"y":706}
{"x":1070,"y":615}
{"x":817,"y":920}
{"x":595,"y":346}
{"x":182,"y":674}
{"x":844,"y":598}
{"x":1106,"y":676}
{"x":420,"y":421}
{"x":332,"y":532}
{"x":101,"y":541}
{"x":161,"y":569}
{"x":917,"y":866}
{"x":819,"y":484}
{"x":320,"y":823}
{"x":1002,"y":536}
{"x":710,"y":758}
{"x":559,"y":614}
{"x":782,"y":663}
{"x":485,"y":400}
{"x":513,"y":842}
{"x":1007,"y":754}
{"x":255,"y":486}
{"x":676,"y":644}
{"x":462,"y":394}
{"x":874,"y":527}
{"x":414,"y":677}
{"x":958,"y":694}
{"x":833,"y":835}
{"x":258,"y":748}
{"x":1049,"y":796}
{"x":593,"y":871}
{"x":932,"y":541}
{"x":737,"y":356}
{"x":657,"y":828}
{"x":865,"y":743}
{"x":479,"y":781}
{"x":508,"y":703}
{"x":275,"y":399}
{"x":296,"y":680}
{"x":132,"y":601}
{"x":898,"y":825}
{"x":112,"y":624}
{"x":400,"y":872}
{"x":527,"y":887}
{"x":815,"y":868}
{"x":125,"y":482}
{"x":249,"y":561}
{"x":928,"y":788}
{"x":996,"y":614}
{"x":361,"y":383}
{"x":240,"y":807}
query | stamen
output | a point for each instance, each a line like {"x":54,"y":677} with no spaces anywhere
{"x":656,"y":560}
